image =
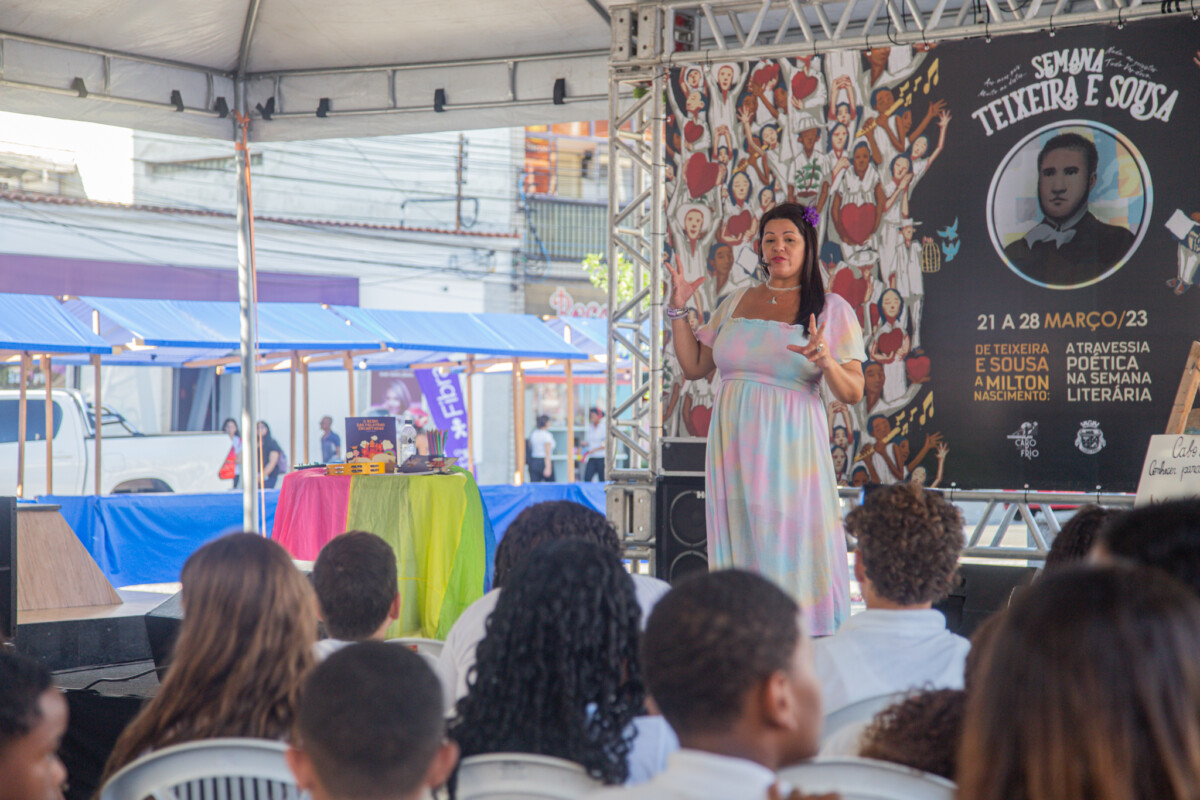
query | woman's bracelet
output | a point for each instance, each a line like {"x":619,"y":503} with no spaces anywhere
{"x":676,"y":313}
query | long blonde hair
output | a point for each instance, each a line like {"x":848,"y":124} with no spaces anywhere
{"x":244,"y":647}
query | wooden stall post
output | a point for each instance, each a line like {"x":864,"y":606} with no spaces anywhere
{"x":49,"y":424}
{"x":304,"y":374}
{"x":1185,"y":397}
{"x":470,"y":414}
{"x":99,"y":426}
{"x":570,"y":421}
{"x":22,"y":425}
{"x":292,"y":405}
{"x":518,"y":420}
{"x":348,"y":363}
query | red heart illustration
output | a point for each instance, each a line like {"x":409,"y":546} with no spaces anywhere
{"x":701,"y":176}
{"x":765,"y":75}
{"x":858,"y":221}
{"x":692,"y":131}
{"x":888,"y":343}
{"x":803,"y":85}
{"x":851,"y":289}
{"x":698,"y":424}
{"x":917,"y":368}
{"x":738,"y":224}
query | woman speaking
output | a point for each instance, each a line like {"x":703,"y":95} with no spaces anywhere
{"x":772,"y":503}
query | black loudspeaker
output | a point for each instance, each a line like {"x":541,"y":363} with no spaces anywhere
{"x":979,"y":591}
{"x":96,"y":721}
{"x":681,"y":539}
{"x":162,"y":626}
{"x":8,"y":567}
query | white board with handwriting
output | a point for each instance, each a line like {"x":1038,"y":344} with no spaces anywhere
{"x":1171,"y":470}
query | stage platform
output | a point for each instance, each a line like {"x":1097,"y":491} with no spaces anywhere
{"x":71,"y":638}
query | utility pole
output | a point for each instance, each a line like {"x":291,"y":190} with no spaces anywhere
{"x":458,"y":180}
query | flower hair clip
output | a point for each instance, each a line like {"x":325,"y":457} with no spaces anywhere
{"x":812,"y":216}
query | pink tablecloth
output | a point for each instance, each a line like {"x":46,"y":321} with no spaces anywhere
{"x":311,"y":511}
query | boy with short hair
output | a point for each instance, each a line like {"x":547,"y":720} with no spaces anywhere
{"x":357,"y":596}
{"x":33,"y":719}
{"x":370,"y":727}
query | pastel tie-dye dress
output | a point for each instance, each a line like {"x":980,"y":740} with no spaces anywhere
{"x":772,"y":503}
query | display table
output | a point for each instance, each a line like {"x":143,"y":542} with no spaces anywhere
{"x":435,"y":524}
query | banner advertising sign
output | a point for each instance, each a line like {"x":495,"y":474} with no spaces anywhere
{"x":1015,"y":223}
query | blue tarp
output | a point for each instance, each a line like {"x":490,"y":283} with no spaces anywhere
{"x":145,"y":538}
{"x":40,"y":324}
{"x":216,"y":324}
{"x":515,"y":335}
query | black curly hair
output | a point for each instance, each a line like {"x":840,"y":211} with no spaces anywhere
{"x":22,"y":682}
{"x":1075,"y":539}
{"x":548,"y":522}
{"x":921,"y":731}
{"x":909,"y":540}
{"x":557,"y":673}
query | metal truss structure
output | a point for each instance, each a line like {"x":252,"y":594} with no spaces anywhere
{"x":646,"y":43}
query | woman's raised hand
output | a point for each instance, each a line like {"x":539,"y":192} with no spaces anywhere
{"x":681,"y":289}
{"x":815,"y":350}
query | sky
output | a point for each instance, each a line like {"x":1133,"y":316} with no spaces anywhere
{"x":104,"y":154}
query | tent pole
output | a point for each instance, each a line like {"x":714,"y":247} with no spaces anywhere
{"x":99,"y":431}
{"x":470,"y":414}
{"x":22,"y":425}
{"x":46,"y":373}
{"x":292,"y":405}
{"x":348,"y":363}
{"x":246,"y":302}
{"x":304,"y":374}
{"x":570,"y":421}
{"x":518,"y":421}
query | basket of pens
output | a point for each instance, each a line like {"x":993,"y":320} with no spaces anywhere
{"x":437,"y":450}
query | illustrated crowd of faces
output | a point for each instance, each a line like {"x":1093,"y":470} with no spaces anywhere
{"x":850,"y":134}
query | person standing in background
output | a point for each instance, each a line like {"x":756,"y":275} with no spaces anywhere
{"x":230,"y":427}
{"x":541,"y":448}
{"x":593,"y":441}
{"x":331,"y":443}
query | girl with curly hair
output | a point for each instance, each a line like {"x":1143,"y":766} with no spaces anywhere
{"x":557,"y":673}
{"x":244,"y":647}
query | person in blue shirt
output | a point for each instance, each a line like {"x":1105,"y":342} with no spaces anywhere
{"x":331,"y":443}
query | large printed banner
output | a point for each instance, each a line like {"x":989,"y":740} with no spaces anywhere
{"x":1017,"y":224}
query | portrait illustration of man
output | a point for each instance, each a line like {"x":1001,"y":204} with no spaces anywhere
{"x":1069,"y":246}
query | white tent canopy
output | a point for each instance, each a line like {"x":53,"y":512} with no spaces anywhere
{"x":165,"y":65}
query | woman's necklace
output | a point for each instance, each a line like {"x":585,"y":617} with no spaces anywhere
{"x":774,"y":300}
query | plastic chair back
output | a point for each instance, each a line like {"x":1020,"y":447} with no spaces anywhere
{"x":213,"y":769}
{"x":866,"y":779}
{"x":522,"y":776}
{"x":862,"y":711}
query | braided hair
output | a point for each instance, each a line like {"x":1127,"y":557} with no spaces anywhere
{"x":557,"y":673}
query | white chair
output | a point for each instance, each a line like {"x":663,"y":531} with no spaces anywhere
{"x":228,"y":769}
{"x":425,"y":647}
{"x":867,"y":779}
{"x":522,"y":776}
{"x":862,"y":711}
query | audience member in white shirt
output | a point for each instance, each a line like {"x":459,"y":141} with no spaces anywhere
{"x":558,"y":671}
{"x":542,"y":522}
{"x":370,"y":725}
{"x":541,"y":448}
{"x":728,"y":664}
{"x":357,"y":596}
{"x":909,"y":541}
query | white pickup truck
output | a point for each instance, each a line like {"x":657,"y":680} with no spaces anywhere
{"x":131,"y":461}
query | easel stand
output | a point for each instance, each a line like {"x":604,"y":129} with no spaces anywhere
{"x":1185,"y":398}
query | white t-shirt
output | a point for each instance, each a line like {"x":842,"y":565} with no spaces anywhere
{"x":698,"y":775}
{"x":882,"y":652}
{"x":539,"y":439}
{"x":458,"y":654}
{"x":593,"y":439}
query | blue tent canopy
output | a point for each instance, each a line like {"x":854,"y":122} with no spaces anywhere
{"x":514,"y":335}
{"x":39,"y":323}
{"x":214,"y":324}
